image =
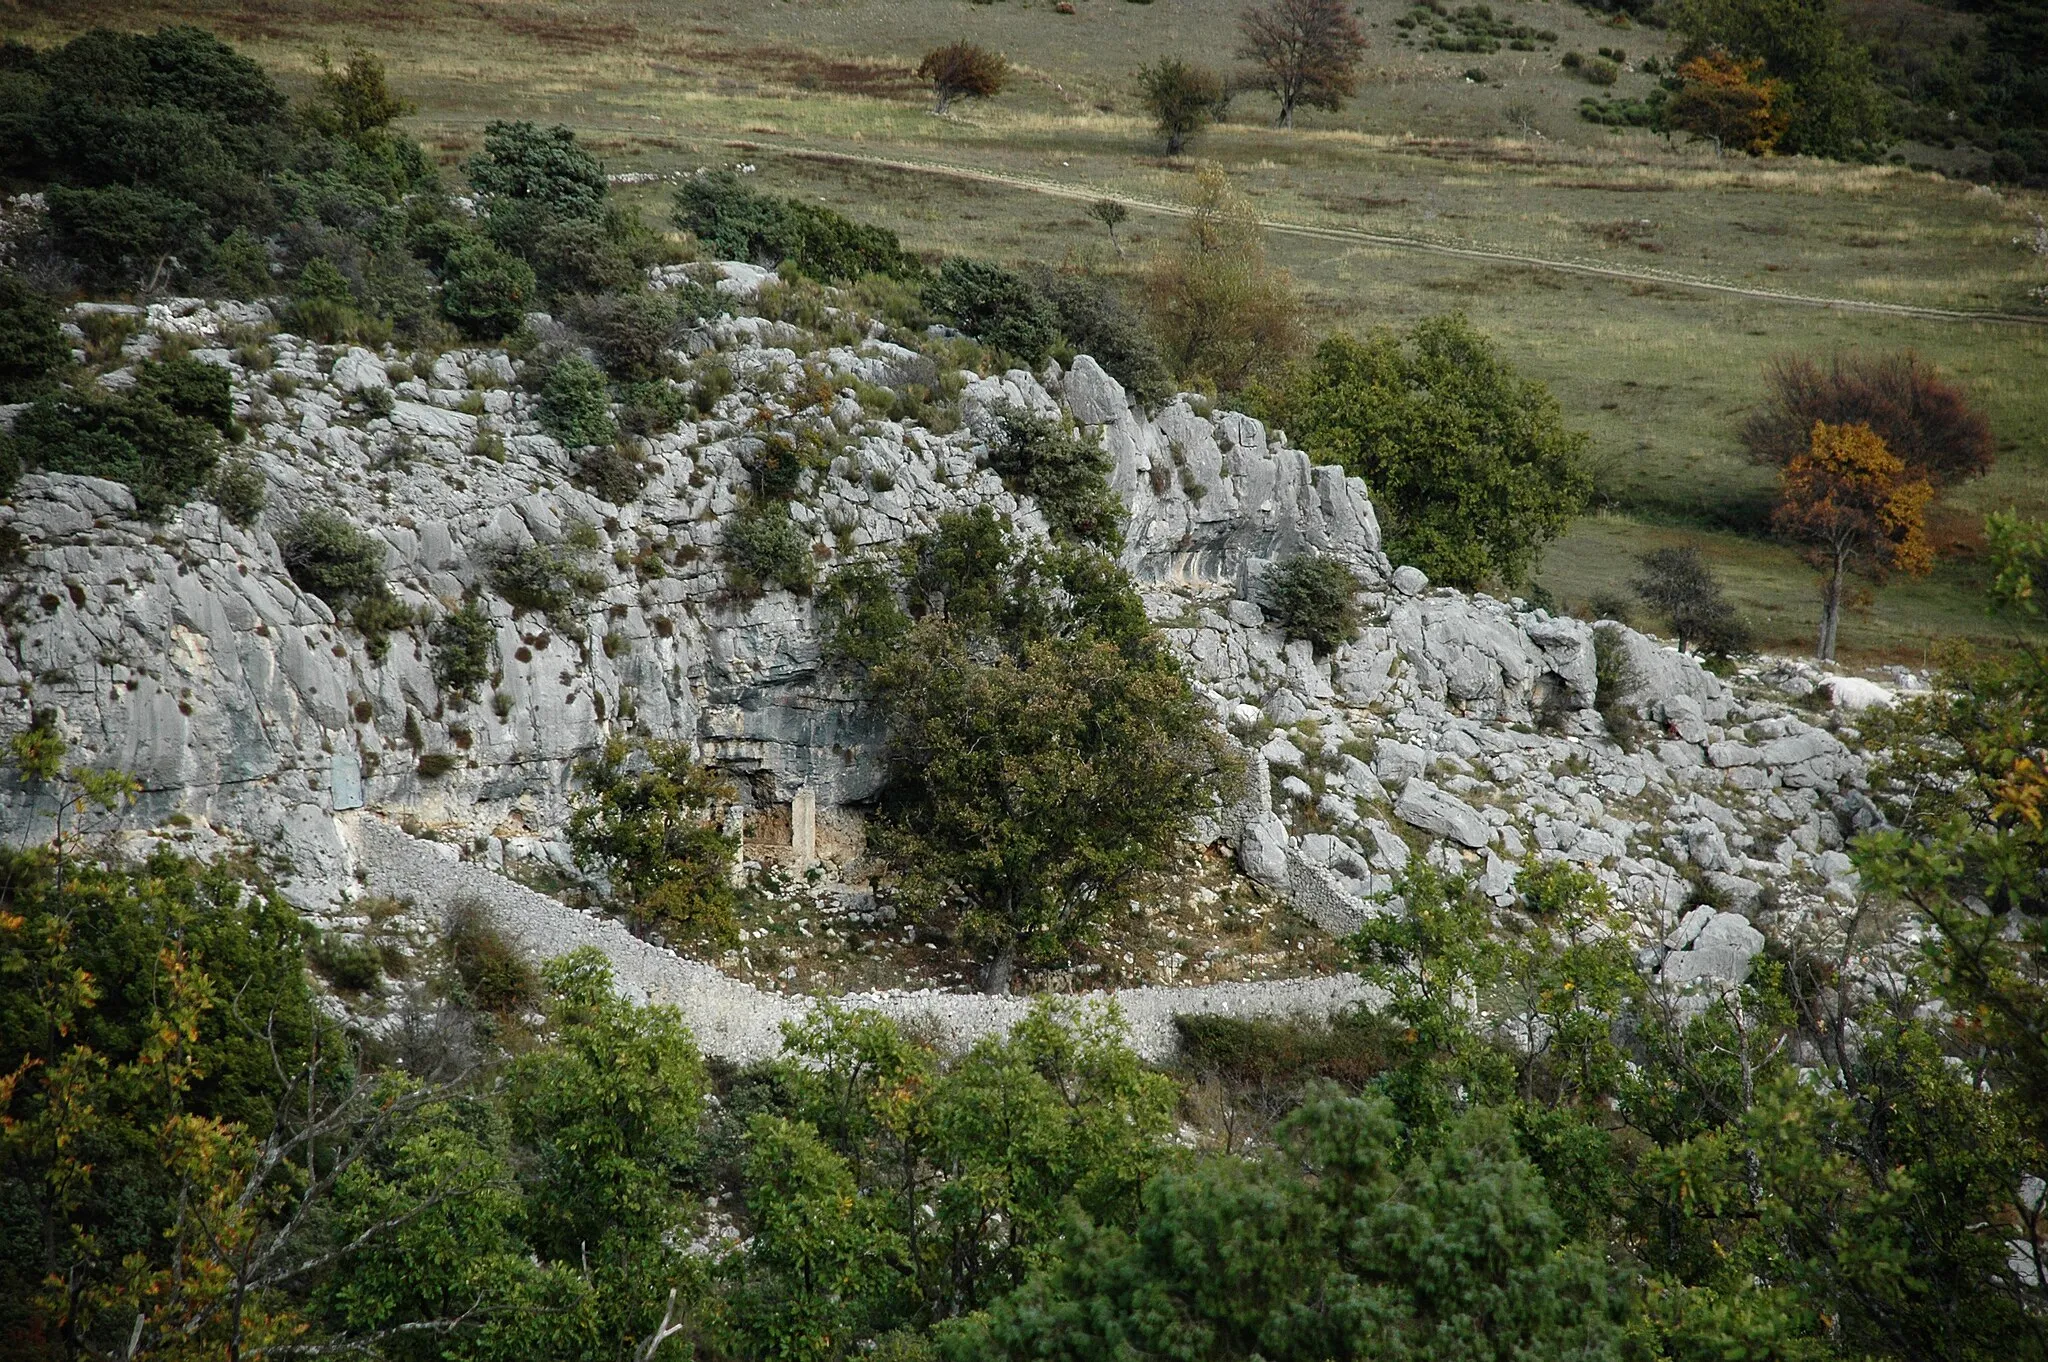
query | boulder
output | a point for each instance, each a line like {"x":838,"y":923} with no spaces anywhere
{"x":358,"y":370}
{"x":1424,"y":806}
{"x":1719,"y":951}
{"x":1092,"y":395}
{"x":1856,"y":693}
{"x":1262,"y":851}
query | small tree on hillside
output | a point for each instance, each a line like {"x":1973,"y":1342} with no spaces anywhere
{"x":1111,"y":214}
{"x":1923,"y":419}
{"x":963,"y":71}
{"x":1730,"y":102}
{"x":357,"y":101}
{"x":1307,"y":52}
{"x":644,"y":819}
{"x":1859,"y":505}
{"x":1044,"y":749}
{"x":1221,"y":312}
{"x":1182,"y":98}
{"x":1678,"y":584}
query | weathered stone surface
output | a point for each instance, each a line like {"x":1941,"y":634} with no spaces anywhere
{"x":1262,"y":851}
{"x":358,"y":370}
{"x":1719,"y":951}
{"x":1092,"y":395}
{"x":186,"y":653}
{"x":1424,"y":806}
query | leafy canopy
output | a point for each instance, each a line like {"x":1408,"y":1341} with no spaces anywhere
{"x":1471,"y":464}
{"x":1044,"y":750}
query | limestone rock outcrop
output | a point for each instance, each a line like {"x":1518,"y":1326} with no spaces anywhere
{"x":1479,"y":733}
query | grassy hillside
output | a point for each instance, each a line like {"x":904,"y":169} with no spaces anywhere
{"x":1658,"y":368}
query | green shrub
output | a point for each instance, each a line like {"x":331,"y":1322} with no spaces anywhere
{"x":575,"y":404}
{"x":465,"y":645}
{"x":524,"y":162}
{"x":31,"y":346}
{"x":776,"y":463}
{"x":764,"y":547}
{"x":1067,"y":474}
{"x":632,"y":333}
{"x":1312,"y":597}
{"x":240,"y":490}
{"x":736,"y":223}
{"x":713,"y":381}
{"x":192,"y":388}
{"x":553,"y":579}
{"x":434,"y":765}
{"x":327,"y":555}
{"x":1615,"y":676}
{"x":1472,"y":462}
{"x":125,"y":236}
{"x":1095,"y":320}
{"x":485,"y":292}
{"x":162,"y":455}
{"x":1257,"y":1053}
{"x":571,"y":256}
{"x":351,"y":966}
{"x":996,"y":307}
{"x":494,"y":974}
{"x":647,"y":825}
{"x":241,"y":266}
{"x":377,"y":616}
{"x":322,"y":282}
{"x":652,"y":408}
{"x":612,"y":472}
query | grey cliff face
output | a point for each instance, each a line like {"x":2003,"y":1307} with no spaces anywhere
{"x":1456,"y":727}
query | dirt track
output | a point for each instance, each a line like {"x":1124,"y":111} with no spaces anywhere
{"x":1352,"y":236}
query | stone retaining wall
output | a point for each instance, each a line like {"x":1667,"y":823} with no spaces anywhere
{"x":739,"y":1022}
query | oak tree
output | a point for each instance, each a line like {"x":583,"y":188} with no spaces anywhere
{"x":962,"y":71}
{"x":1222,"y":312}
{"x":1182,"y":98}
{"x":1306,"y":52}
{"x":1859,"y":505}
{"x":1730,"y":102}
{"x":1044,"y":750}
{"x":1472,"y":461}
{"x":1922,"y":417}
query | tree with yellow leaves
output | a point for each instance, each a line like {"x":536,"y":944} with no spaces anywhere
{"x":1222,"y":313}
{"x":1859,"y":506}
{"x":1731,"y":102}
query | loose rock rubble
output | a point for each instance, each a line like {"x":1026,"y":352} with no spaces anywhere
{"x":1474,"y":732}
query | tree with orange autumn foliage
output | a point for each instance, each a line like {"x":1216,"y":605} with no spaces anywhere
{"x":1731,"y":101}
{"x":1859,"y":506}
